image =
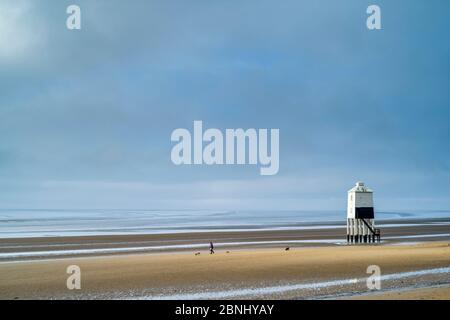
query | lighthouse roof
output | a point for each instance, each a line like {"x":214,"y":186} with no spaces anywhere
{"x":360,"y":187}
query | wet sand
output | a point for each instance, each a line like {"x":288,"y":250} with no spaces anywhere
{"x":226,"y":274}
{"x":440,"y":292}
{"x":44,"y":247}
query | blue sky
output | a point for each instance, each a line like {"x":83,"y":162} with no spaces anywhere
{"x":86,"y":116}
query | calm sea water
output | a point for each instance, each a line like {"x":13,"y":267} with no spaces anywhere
{"x":39,"y":223}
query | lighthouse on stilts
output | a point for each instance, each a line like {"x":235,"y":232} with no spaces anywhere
{"x":361,"y":216}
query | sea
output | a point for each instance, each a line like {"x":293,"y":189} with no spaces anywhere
{"x":26,"y":223}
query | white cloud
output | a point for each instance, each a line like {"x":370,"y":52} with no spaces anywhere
{"x":19,"y":32}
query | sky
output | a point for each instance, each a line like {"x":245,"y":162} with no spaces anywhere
{"x":86,"y":115}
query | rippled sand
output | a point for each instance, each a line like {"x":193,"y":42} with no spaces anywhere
{"x":143,"y":276}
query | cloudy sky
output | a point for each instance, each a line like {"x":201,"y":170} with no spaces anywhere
{"x":86,"y":116}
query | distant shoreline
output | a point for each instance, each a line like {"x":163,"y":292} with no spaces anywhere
{"x":418,"y":230}
{"x":107,"y":222}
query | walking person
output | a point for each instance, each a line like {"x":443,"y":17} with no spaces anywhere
{"x":211,"y":247}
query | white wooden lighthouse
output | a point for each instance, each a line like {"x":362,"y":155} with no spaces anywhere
{"x":361,"y":215}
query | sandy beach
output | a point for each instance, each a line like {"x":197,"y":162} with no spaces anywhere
{"x":439,"y":292}
{"x":413,"y":257}
{"x":263,"y":273}
{"x":304,"y":236}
